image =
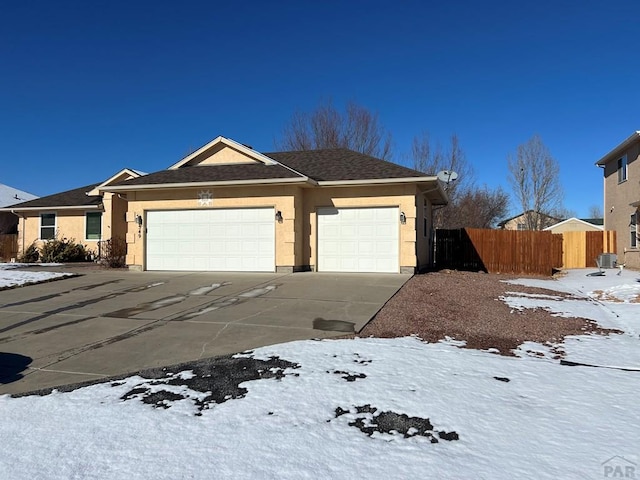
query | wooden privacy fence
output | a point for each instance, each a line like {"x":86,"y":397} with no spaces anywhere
{"x":580,"y":249}
{"x":8,"y":246}
{"x":520,"y":251}
{"x":499,"y":251}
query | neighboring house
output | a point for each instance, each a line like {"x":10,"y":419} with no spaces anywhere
{"x":622,"y":197}
{"x":9,"y":196}
{"x":87,"y":215}
{"x":227,"y":207}
{"x":574,"y":224}
{"x":519,"y":222}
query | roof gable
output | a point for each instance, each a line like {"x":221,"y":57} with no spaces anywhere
{"x":574,"y":220}
{"x":121,"y":176}
{"x":223,"y":151}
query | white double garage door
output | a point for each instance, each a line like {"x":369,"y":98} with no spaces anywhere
{"x":243,"y":240}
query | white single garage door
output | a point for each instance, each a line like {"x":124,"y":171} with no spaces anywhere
{"x":229,"y":240}
{"x":358,"y":239}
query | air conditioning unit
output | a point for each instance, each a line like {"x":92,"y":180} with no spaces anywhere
{"x":607,"y":260}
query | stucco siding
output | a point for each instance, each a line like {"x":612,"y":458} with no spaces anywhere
{"x":617,"y":199}
{"x":69,"y":224}
{"x":280,"y":198}
{"x":402,"y":196}
{"x":296,"y":234}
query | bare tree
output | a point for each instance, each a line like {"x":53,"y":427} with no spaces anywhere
{"x":479,"y":208}
{"x":535,"y":178}
{"x":432,"y":159}
{"x":326,"y":127}
{"x":595,"y":211}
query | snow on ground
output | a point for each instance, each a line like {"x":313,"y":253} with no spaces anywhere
{"x":363,"y":408}
{"x":10,"y":278}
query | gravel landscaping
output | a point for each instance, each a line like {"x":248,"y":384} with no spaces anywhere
{"x":466,"y":306}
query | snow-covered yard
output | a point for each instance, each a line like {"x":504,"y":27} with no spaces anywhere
{"x":363,"y":408}
{"x":10,"y":277}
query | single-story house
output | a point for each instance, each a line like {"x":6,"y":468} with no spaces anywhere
{"x":86,"y":214}
{"x":524,"y":219}
{"x":574,"y":224}
{"x":9,"y":196}
{"x":227,"y":207}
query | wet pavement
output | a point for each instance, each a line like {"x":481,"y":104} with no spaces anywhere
{"x":110,"y":322}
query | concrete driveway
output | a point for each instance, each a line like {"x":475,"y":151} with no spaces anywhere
{"x":108,"y":322}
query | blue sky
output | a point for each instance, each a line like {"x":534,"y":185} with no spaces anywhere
{"x":87,"y":88}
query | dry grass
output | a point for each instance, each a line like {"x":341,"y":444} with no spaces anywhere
{"x":466,"y":306}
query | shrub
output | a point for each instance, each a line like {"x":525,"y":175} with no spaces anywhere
{"x":63,"y":250}
{"x":113,"y":252}
{"x":30,"y":255}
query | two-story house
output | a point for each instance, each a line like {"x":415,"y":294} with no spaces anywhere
{"x":622,"y":197}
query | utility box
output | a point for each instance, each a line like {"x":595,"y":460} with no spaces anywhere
{"x":607,"y":260}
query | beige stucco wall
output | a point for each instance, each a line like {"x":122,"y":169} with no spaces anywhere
{"x":617,"y":200}
{"x":296,"y":236}
{"x":282,"y":198}
{"x":113,"y":219}
{"x":69,"y":224}
{"x":402,"y":196}
{"x":424,"y":240}
{"x":222,"y":154}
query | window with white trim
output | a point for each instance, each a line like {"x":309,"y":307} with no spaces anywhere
{"x":633,"y":231}
{"x":622,"y":169}
{"x":93,"y":226}
{"x":47,"y":226}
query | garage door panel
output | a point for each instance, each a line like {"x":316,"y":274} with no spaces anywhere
{"x":212,"y":239}
{"x":358,"y":239}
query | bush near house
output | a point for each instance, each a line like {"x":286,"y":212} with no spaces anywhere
{"x":30,"y":255}
{"x":113,"y":252}
{"x":63,"y":250}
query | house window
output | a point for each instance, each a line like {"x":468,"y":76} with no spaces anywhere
{"x":522,"y":226}
{"x":622,"y":169}
{"x":633,"y":230}
{"x":47,"y":226}
{"x":93,"y":226}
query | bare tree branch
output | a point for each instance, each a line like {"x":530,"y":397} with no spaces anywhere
{"x":534,"y":176}
{"x":326,"y":127}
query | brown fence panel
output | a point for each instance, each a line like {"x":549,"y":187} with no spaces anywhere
{"x":8,"y":246}
{"x":498,"y":251}
{"x":557,"y":250}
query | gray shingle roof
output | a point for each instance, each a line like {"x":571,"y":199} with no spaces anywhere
{"x":214,"y":173}
{"x":341,"y":164}
{"x":70,"y":198}
{"x":338,"y":164}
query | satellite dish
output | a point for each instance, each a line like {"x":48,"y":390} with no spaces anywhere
{"x":447,"y":176}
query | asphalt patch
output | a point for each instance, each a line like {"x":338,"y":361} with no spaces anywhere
{"x":205,"y":383}
{"x":369,"y":421}
{"x":349,"y":377}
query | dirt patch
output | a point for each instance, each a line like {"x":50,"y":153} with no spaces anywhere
{"x":466,"y":306}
